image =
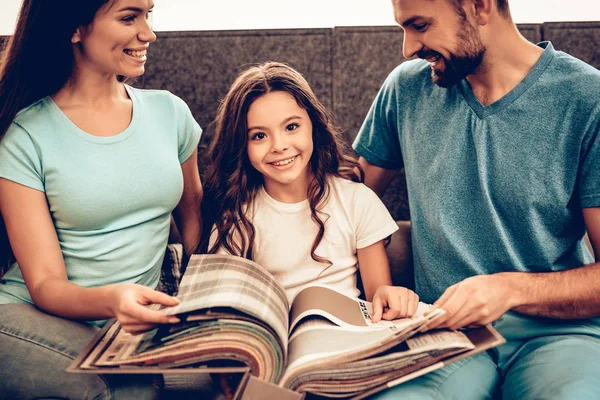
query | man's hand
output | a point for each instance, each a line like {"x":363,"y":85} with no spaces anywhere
{"x":475,"y":301}
{"x":390,"y":302}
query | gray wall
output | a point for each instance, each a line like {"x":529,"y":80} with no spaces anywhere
{"x":344,"y":65}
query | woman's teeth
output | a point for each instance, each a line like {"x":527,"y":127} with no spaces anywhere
{"x":136,"y":53}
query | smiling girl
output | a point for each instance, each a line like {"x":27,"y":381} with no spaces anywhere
{"x":281,"y":192}
{"x":90,"y":171}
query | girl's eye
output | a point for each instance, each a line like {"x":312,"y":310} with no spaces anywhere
{"x":292,"y":127}
{"x":258,"y":136}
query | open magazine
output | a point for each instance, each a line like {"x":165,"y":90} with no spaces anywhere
{"x":234,"y":314}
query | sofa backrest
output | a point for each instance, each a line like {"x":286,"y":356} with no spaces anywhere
{"x":344,"y":65}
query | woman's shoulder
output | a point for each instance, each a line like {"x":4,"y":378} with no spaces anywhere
{"x":35,"y":112}
{"x":158,"y":98}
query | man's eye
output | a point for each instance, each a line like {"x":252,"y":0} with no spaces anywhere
{"x":420,"y":27}
{"x":258,"y":136}
{"x":292,"y":127}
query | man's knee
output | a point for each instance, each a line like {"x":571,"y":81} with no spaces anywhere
{"x":473,"y":378}
{"x":556,"y":367}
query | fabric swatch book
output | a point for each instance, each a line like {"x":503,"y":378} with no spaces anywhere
{"x":235,"y":318}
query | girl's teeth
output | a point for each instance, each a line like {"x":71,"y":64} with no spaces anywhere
{"x":284,"y":162}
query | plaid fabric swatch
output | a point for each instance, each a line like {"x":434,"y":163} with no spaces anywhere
{"x":220,"y":280}
{"x":170,"y":273}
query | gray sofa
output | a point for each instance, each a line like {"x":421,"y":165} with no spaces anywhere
{"x":344,"y":65}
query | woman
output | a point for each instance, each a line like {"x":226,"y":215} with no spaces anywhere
{"x":90,"y":171}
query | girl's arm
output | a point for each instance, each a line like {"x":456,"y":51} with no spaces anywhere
{"x":187,"y":213}
{"x":35,"y":245}
{"x":389,"y":301}
{"x":374,"y":268}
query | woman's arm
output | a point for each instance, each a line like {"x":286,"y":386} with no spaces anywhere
{"x":187,"y":213}
{"x":35,"y":245}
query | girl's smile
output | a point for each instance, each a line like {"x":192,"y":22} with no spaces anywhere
{"x":280,"y":145}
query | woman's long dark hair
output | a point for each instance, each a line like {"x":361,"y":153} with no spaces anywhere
{"x":37,"y":61}
{"x":232,"y":183}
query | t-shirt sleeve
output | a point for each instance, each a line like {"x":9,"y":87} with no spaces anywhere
{"x":378,"y":138}
{"x":20,"y":161}
{"x":372,"y":219}
{"x":188,"y":130}
{"x":589,"y":173}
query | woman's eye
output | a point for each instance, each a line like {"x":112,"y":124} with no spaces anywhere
{"x":129,"y":18}
{"x":291,"y":127}
{"x":258,"y":136}
{"x":148,"y":15}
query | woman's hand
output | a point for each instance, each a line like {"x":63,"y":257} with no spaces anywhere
{"x":391,"y":302}
{"x":129,"y":303}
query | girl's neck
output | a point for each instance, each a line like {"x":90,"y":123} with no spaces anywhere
{"x":291,"y":193}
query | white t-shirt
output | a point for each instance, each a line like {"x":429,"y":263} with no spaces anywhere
{"x":285,"y":234}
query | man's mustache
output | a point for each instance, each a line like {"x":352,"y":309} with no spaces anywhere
{"x":423,"y":54}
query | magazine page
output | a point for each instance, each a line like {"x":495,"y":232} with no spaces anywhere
{"x":318,"y":341}
{"x":325,"y":368}
{"x":348,"y":312}
{"x":219,"y":280}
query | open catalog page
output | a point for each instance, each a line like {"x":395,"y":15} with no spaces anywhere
{"x":235,"y":317}
{"x":333,"y":339}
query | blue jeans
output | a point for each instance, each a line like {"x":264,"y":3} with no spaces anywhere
{"x":542,"y":359}
{"x":35,"y":349}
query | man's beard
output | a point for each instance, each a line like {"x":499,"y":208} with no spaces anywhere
{"x":468,"y":57}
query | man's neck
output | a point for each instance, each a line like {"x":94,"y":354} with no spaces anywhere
{"x":509,"y":57}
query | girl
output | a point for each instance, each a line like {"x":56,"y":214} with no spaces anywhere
{"x":283,"y":194}
{"x":90,"y":170}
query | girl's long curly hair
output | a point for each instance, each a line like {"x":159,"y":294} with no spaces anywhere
{"x":231,"y":182}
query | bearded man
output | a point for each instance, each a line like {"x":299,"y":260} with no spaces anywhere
{"x":499,"y":141}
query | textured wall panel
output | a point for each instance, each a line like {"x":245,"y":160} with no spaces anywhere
{"x":200,"y":66}
{"x":580,"y":39}
{"x":363,"y":58}
{"x":531,"y":32}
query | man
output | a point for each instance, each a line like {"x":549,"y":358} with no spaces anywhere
{"x":499,"y":141}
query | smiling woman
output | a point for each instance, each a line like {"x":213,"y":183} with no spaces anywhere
{"x":91,"y":171}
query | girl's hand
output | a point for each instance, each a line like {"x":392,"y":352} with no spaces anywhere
{"x":128,"y":305}
{"x":391,"y":302}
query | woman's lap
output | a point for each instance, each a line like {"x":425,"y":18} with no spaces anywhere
{"x":35,"y":349}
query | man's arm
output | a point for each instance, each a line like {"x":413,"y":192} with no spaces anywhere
{"x":376,"y":178}
{"x":570,"y":294}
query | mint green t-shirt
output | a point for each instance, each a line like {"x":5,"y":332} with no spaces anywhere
{"x":110,"y":197}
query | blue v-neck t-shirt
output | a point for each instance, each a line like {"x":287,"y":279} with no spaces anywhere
{"x":491,"y":188}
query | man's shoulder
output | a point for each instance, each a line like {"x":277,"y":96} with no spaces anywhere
{"x":410,"y":72}
{"x":575,"y":75}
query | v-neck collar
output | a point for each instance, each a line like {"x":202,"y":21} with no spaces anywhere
{"x":537,"y":70}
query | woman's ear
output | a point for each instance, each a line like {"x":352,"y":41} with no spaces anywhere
{"x":76,"y":38}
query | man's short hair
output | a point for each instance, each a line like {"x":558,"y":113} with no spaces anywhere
{"x":502,"y":6}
